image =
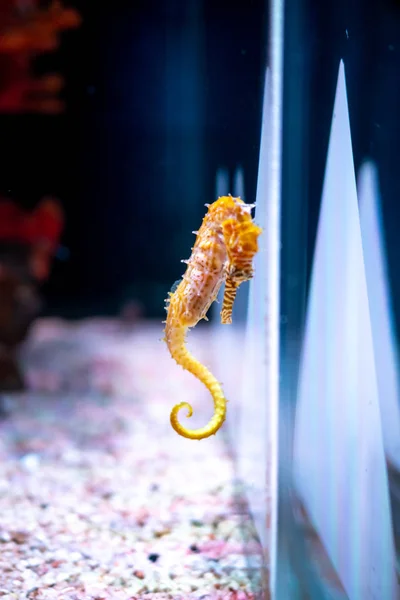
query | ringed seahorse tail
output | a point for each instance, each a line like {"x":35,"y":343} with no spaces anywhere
{"x":176,"y":340}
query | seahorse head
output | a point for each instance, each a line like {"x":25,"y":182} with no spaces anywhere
{"x":241,"y":239}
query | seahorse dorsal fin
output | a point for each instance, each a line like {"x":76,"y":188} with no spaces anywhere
{"x":174,"y":287}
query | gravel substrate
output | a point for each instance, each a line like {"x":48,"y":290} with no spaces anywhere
{"x":99,"y":497}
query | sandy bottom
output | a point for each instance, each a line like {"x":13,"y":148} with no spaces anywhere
{"x":99,"y":497}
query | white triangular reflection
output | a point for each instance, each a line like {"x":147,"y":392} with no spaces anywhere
{"x":339,"y":459}
{"x":383,"y":329}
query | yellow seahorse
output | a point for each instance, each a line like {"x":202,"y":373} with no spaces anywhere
{"x":241,"y":243}
{"x":224,"y":250}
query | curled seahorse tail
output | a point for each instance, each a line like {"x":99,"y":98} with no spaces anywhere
{"x":215,"y":422}
{"x":176,"y":343}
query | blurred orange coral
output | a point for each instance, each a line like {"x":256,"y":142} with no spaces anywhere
{"x":26,"y":30}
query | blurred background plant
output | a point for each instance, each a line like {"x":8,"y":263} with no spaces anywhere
{"x":26,"y":31}
{"x":29,"y":239}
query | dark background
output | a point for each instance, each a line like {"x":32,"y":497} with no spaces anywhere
{"x":160,"y":93}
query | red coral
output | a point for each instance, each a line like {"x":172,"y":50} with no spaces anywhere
{"x":25,"y":32}
{"x":39,"y":230}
